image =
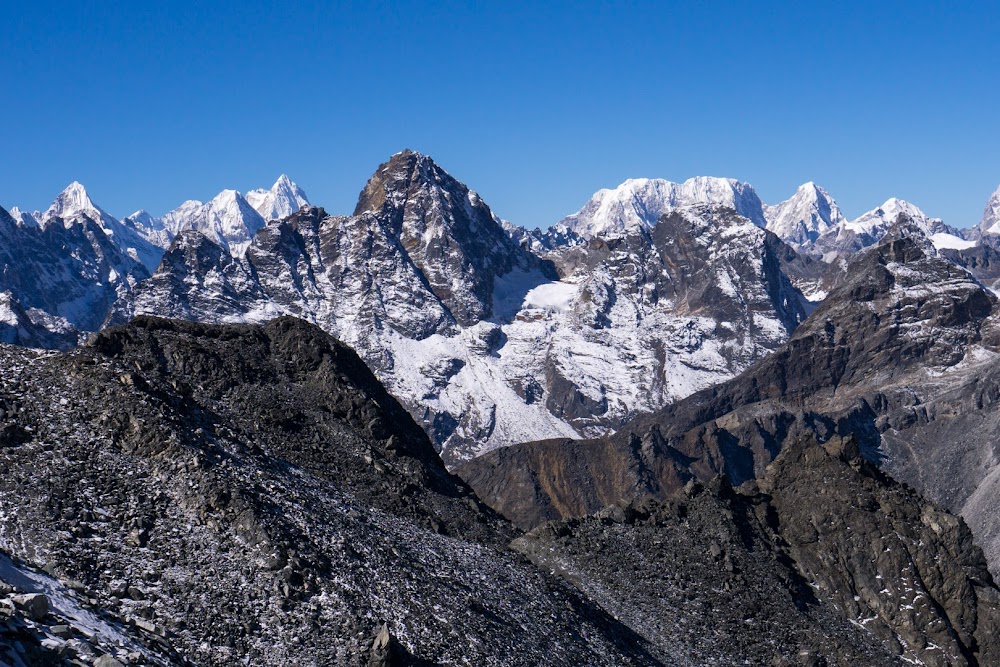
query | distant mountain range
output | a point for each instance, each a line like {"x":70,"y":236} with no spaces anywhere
{"x":491,"y":334}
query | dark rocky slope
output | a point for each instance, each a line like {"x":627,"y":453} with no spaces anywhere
{"x":238,"y":494}
{"x":823,"y":561}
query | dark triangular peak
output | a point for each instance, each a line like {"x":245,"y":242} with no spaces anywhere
{"x":446,"y":229}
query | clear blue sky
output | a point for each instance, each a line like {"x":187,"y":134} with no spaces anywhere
{"x":534,"y":105}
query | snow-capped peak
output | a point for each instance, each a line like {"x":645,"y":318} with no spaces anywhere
{"x":71,"y":203}
{"x":142,"y":217}
{"x":801,"y":219}
{"x":990,"y":224}
{"x":284,"y":198}
{"x":877,"y":220}
{"x":24,"y":218}
{"x":639,"y":202}
{"x":228,"y":219}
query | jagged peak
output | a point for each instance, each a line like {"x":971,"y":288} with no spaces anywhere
{"x":894,"y":206}
{"x":281,"y":200}
{"x":810,"y":188}
{"x":286,"y":187}
{"x":990,"y":222}
{"x":408,"y":153}
{"x":24,"y":217}
{"x":805,"y":216}
{"x":72,"y":201}
{"x":227,"y":196}
{"x":142,"y":215}
{"x":388,"y":185}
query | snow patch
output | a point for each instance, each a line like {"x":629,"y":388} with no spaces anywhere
{"x":556,"y":296}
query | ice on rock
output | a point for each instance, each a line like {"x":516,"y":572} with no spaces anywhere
{"x":283,"y":199}
{"x":639,"y":203}
{"x":809,"y":213}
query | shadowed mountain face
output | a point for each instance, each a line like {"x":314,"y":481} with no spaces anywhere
{"x":63,"y":277}
{"x":853,"y":567}
{"x":902,"y":356}
{"x":446,"y":230}
{"x":228,"y":488}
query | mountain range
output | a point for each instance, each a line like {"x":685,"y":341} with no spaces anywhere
{"x":490,"y":334}
{"x":770,"y":416}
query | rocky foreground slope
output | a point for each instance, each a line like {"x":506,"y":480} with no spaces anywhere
{"x":216,"y":495}
{"x":252,"y":495}
{"x":822,"y":561}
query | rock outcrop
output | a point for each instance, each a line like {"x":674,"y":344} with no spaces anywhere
{"x":852,"y":567}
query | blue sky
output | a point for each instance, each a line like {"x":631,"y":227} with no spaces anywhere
{"x":534,"y":105}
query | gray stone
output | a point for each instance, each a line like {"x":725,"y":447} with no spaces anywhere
{"x":107,"y":661}
{"x":34,"y":605}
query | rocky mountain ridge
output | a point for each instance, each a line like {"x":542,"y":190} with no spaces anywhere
{"x":822,"y":537}
{"x":639,"y":202}
{"x":902,"y":357}
{"x":486,"y":343}
{"x":810,"y":221}
{"x":491,"y":334}
{"x":253,"y":495}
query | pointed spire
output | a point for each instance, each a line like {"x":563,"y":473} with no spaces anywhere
{"x":990,"y":222}
{"x":73,"y":201}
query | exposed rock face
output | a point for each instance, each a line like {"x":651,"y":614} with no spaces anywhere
{"x":480,"y":339}
{"x":900,"y":566}
{"x":447,"y":231}
{"x":855,"y":568}
{"x":64,"y":276}
{"x":195,"y":277}
{"x":982,"y":260}
{"x":224,"y":490}
{"x":903,"y":356}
